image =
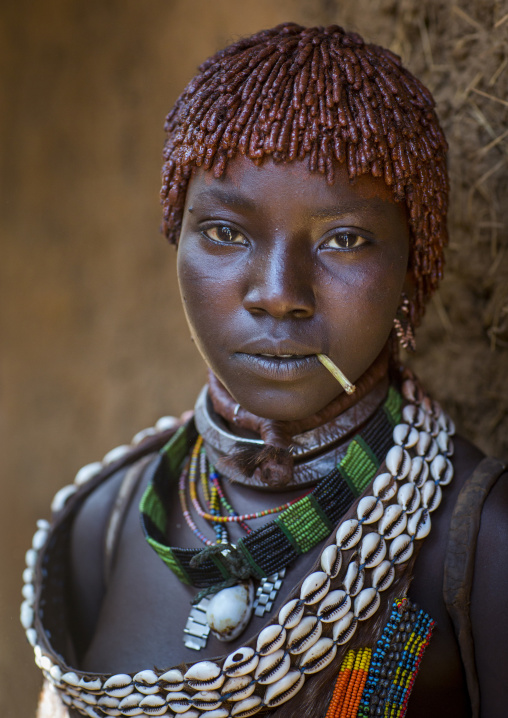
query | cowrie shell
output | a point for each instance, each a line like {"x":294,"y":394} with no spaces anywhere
{"x":315,"y":587}
{"x":46,"y":665}
{"x":348,"y":534}
{"x":272,"y":667}
{"x":179,"y":702}
{"x":172,"y":680}
{"x":270,"y":639}
{"x":206,"y":700}
{"x":26,"y":614}
{"x":28,"y":575}
{"x":246,"y":708}
{"x":398,"y":462}
{"x":143,"y":434}
{"x":419,"y":524}
{"x":166,"y":422}
{"x":129,"y":706}
{"x":354,"y":579}
{"x":31,"y":635}
{"x":87,"y":472}
{"x":344,"y":629}
{"x":146,"y":682}
{"x":92,"y":685}
{"x":117,"y":453}
{"x":153,"y":705}
{"x":61,"y":497}
{"x":284,"y":689}
{"x":372,"y":550}
{"x":369,"y":509}
{"x":426,"y":446}
{"x":31,"y":558}
{"x":441,"y":470}
{"x":384,"y":487}
{"x":72,"y":679}
{"x":419,"y":472}
{"x":204,"y":675}
{"x":411,"y":391}
{"x":405,"y":435}
{"x":291,"y":614}
{"x":434,"y":428}
{"x":39,"y":539}
{"x":236,"y":689}
{"x":55,"y":674}
{"x":401,"y":549}
{"x":408,"y":497}
{"x":242,"y":661}
{"x":431,"y":495}
{"x":413,"y":415}
{"x":219,"y":713}
{"x":446,"y":424}
{"x":91,"y":713}
{"x":393,"y":522}
{"x":366,"y":603}
{"x":319,"y":656}
{"x":331,"y":560}
{"x":334,"y":606}
{"x":304,"y":635}
{"x":117,"y":686}
{"x":108,"y":702}
{"x":383,"y":575}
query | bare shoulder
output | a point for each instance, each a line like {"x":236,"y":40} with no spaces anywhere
{"x":87,"y":556}
{"x":91,"y":527}
{"x":489,"y":601}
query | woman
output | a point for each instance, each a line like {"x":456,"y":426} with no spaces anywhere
{"x":305,"y":185}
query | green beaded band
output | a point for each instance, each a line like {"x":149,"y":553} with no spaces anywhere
{"x":295,"y":531}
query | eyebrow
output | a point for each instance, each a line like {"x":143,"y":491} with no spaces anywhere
{"x":228,"y":198}
{"x":374,"y":204}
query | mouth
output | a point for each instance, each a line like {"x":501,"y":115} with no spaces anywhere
{"x":279,"y":366}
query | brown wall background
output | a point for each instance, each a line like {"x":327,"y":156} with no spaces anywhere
{"x":94,"y":345}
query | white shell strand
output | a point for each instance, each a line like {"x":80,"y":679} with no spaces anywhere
{"x":304,"y":638}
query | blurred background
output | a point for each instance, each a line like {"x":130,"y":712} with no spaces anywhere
{"x":94,"y":345}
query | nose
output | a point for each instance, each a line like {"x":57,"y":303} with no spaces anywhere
{"x":280,"y":283}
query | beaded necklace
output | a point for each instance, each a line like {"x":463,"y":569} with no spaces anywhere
{"x":311,"y":628}
{"x":299,"y":527}
{"x":215,"y":517}
{"x":378,"y":682}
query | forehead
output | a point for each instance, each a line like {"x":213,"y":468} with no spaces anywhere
{"x":281,"y":187}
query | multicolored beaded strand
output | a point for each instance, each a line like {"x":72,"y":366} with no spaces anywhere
{"x":234,"y":517}
{"x":350,"y":684}
{"x":396,"y":661}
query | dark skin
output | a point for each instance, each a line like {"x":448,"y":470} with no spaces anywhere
{"x":274,"y":261}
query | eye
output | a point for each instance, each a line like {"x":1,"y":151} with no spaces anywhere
{"x":224,"y":234}
{"x":344,"y":240}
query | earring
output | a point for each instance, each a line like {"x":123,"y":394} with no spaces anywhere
{"x":403,"y":325}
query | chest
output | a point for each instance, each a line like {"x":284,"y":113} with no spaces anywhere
{"x":146,"y":608}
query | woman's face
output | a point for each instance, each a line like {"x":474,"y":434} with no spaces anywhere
{"x":275,"y":266}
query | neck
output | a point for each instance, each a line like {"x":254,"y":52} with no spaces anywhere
{"x":270,"y":458}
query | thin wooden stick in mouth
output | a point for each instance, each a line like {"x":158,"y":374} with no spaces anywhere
{"x":336,"y":373}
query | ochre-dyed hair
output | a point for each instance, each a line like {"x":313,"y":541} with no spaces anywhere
{"x":322,"y":93}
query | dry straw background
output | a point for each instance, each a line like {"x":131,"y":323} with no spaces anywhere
{"x":94,"y":344}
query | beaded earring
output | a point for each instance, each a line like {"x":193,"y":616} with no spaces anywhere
{"x":404,"y":326}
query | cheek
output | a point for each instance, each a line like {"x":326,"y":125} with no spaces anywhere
{"x":362,"y":302}
{"x":207,"y":297}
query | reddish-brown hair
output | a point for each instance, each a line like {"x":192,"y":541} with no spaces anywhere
{"x":293,"y":92}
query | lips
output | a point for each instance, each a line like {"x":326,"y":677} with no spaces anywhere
{"x":276,"y":347}
{"x":279,"y":366}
